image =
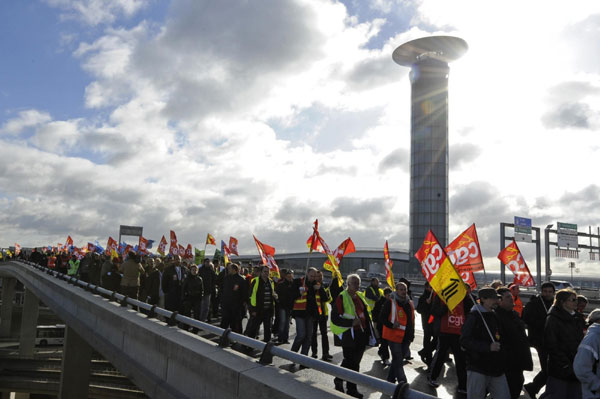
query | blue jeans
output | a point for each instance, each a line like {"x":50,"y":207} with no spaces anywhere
{"x":304,"y":330}
{"x":284,"y":325}
{"x":397,"y":368}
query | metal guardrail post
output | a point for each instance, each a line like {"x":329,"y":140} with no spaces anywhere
{"x":266,"y":357}
{"x":224,"y":339}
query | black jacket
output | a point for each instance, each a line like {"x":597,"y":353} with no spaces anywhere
{"x":514,"y":340}
{"x":476,"y":340}
{"x":424,"y":308}
{"x":562,"y":335}
{"x":209,"y":277}
{"x":153,"y":287}
{"x":534,"y":315}
{"x":193,"y":287}
{"x":235,"y":292}
{"x":285,"y":292}
{"x":311,"y":303}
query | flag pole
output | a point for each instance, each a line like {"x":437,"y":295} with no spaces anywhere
{"x":482,"y":318}
{"x":307,"y":261}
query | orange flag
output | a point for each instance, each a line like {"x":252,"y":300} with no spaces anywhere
{"x":162,"y":246}
{"x":465,"y":255}
{"x":511,"y":257}
{"x":266,"y":253}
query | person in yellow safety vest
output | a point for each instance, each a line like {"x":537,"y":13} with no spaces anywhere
{"x":321,"y":323}
{"x":373,"y":293}
{"x":73,"y":266}
{"x":398,"y":319}
{"x":514,"y":290}
{"x":307,"y":308}
{"x":262,"y":304}
{"x":352,"y":329}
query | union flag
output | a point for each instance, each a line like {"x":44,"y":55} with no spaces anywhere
{"x":233,"y":244}
{"x":188,"y":252}
{"x":511,"y":257}
{"x":162,"y":246}
{"x":346,"y":247}
{"x":111,"y":245}
{"x":439,"y":272}
{"x":210,"y":239}
{"x":465,"y":254}
{"x":69,"y":241}
{"x":267,"y":254}
{"x":314,"y":243}
{"x":143,"y":245}
{"x":389,"y":276}
{"x":173,"y":239}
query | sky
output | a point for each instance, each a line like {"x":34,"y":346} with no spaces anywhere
{"x":237,"y":118}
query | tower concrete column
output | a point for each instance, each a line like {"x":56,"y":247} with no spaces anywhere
{"x":76,"y":366}
{"x":28,"y":324}
{"x":8,"y":295}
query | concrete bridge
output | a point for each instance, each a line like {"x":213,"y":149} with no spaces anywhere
{"x":163,"y":361}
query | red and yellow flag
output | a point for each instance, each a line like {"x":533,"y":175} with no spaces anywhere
{"x":465,"y":255}
{"x":69,"y":241}
{"x":439,"y":272}
{"x":266,"y":253}
{"x":210,"y":239}
{"x":111,"y":245}
{"x":143,"y":245}
{"x":162,"y":246}
{"x":313,"y":243}
{"x":389,"y":276}
{"x":346,"y":247}
{"x":173,"y":239}
{"x":511,"y":257}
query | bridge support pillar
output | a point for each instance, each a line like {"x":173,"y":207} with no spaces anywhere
{"x":8,"y":295}
{"x":28,"y":324}
{"x":76,"y":366}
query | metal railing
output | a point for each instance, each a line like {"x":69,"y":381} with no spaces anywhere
{"x":268,"y":350}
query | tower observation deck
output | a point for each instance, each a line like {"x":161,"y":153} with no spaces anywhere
{"x":428,"y":59}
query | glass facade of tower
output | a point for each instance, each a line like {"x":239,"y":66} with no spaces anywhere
{"x":429,"y":153}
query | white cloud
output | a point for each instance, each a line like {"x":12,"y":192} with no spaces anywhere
{"x":95,"y":12}
{"x":26,"y":119}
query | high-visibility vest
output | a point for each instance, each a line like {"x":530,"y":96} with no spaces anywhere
{"x":74,"y":266}
{"x":371,"y":302}
{"x":300,"y":303}
{"x":325,"y":305}
{"x":255,"y":290}
{"x":349,"y":311}
{"x":398,"y":314}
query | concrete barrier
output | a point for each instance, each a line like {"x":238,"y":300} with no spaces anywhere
{"x":163,"y":361}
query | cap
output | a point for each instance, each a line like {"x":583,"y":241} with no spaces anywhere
{"x":594,"y":316}
{"x":487,"y":293}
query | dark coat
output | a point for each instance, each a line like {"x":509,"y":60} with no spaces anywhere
{"x":311,"y":303}
{"x":534,"y":315}
{"x":514,"y":340}
{"x":424,"y":308}
{"x":171,"y":286}
{"x":235,"y":292}
{"x":153,"y":287}
{"x":562,"y":335}
{"x":285,"y":293}
{"x":192,"y":288}
{"x":209,"y":278}
{"x":476,"y":340}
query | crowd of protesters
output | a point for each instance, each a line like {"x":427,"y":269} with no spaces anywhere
{"x":490,"y":334}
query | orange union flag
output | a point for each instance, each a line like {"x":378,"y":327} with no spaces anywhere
{"x":511,"y":257}
{"x":465,"y":255}
{"x":439,"y":272}
{"x":389,"y":276}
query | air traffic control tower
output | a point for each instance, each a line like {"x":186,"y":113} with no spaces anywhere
{"x":428,"y":58}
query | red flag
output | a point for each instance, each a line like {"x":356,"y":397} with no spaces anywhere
{"x":78,"y":253}
{"x":181,"y":250}
{"x":314,"y":243}
{"x":511,"y":257}
{"x":127,"y":249}
{"x":143,"y":245}
{"x":188,"y":252}
{"x":173,"y":239}
{"x":111,"y":245}
{"x":162,"y":246}
{"x":266,"y":253}
{"x":465,"y":255}
{"x":346,"y":247}
{"x":91,"y":247}
{"x":389,"y":276}
{"x":60,"y":247}
{"x":174,"y":250}
{"x":233,"y":243}
{"x":439,"y":272}
{"x":69,"y":241}
{"x":17,"y":249}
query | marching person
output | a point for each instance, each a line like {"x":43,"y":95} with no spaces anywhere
{"x":262,"y":304}
{"x":586,"y":361}
{"x":321,"y":324}
{"x":398,"y":319}
{"x":481,"y":335}
{"x":534,"y":315}
{"x":351,"y":327}
{"x":234,"y":298}
{"x":192,"y":292}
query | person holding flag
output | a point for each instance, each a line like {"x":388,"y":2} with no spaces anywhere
{"x":262,"y":304}
{"x":486,"y":358}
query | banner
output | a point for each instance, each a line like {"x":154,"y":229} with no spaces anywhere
{"x":439,"y":272}
{"x":233,"y":246}
{"x":511,"y":257}
{"x":198,"y":256}
{"x":210,"y":239}
{"x":389,"y":276}
{"x":465,"y":254}
{"x":162,"y":246}
{"x":266,"y":253}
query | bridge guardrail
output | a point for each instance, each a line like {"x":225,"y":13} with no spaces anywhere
{"x":268,"y":350}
